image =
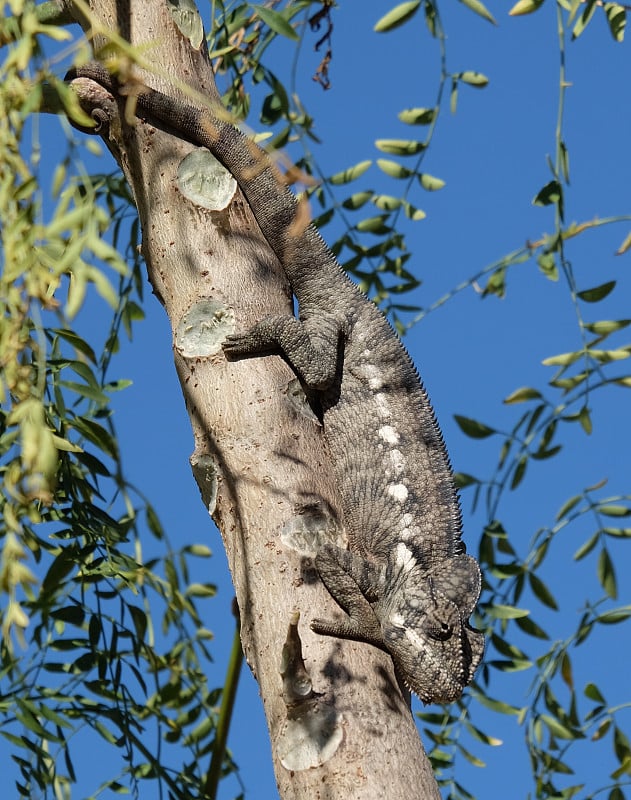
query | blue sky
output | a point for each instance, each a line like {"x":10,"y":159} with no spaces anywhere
{"x":471,"y":352}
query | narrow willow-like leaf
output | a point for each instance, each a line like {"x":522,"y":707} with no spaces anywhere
{"x":606,"y":326}
{"x":583,"y":21}
{"x":500,"y":611}
{"x":393,"y":169}
{"x":596,"y":293}
{"x":593,"y":693}
{"x":417,"y":116}
{"x":430,"y":183}
{"x":397,"y":16}
{"x":399,"y":147}
{"x":614,"y":510}
{"x":541,"y":591}
{"x":357,"y":200}
{"x":559,"y":729}
{"x":471,"y":78}
{"x":618,"y":533}
{"x":275,"y":21}
{"x":523,"y":394}
{"x":350,"y":173}
{"x":563,"y":359}
{"x":480,"y":9}
{"x":473,"y":428}
{"x":525,"y":7}
{"x":568,"y":506}
{"x":386,"y":202}
{"x":626,"y":244}
{"x":412,"y":212}
{"x":586,"y":547}
{"x":614,"y":617}
{"x":374,"y":225}
{"x":606,"y":574}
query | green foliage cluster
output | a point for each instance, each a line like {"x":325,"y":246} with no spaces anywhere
{"x":97,"y":639}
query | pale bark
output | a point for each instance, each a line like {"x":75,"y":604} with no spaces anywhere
{"x":353,"y":735}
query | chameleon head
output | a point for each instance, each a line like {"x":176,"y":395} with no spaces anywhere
{"x":426,"y":630}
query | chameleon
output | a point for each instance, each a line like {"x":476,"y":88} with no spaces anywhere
{"x":406,"y":583}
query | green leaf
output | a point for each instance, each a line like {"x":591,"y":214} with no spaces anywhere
{"x":621,"y":745}
{"x":550,"y":194}
{"x":528,"y":626}
{"x":473,"y":428}
{"x":563,"y":359}
{"x":74,"y":614}
{"x":276,"y":22}
{"x":357,"y":200}
{"x":139,"y":619}
{"x":541,"y":591}
{"x":566,"y":671}
{"x":548,"y":265}
{"x":496,"y":705}
{"x":585,"y":419}
{"x":417,"y":116}
{"x":593,"y":692}
{"x":350,"y":174}
{"x":400,"y":147}
{"x":523,"y":394}
{"x":430,"y":183}
{"x":586,"y":547}
{"x":602,"y":729}
{"x":606,"y":326}
{"x":623,"y":533}
{"x":606,"y":574}
{"x":499,"y":611}
{"x":397,"y":16}
{"x":596,"y":293}
{"x":386,"y":202}
{"x":201,"y":590}
{"x":524,"y":7}
{"x":476,"y":79}
{"x":479,"y":8}
{"x":614,"y":510}
{"x":463,"y":479}
{"x":558,"y":729}
{"x":374,"y":225}
{"x":568,"y":506}
{"x":614,"y":617}
{"x":626,"y":244}
{"x":413,"y":213}
{"x":77,"y":342}
{"x":393,"y":169}
{"x":583,"y":20}
{"x":520,"y":471}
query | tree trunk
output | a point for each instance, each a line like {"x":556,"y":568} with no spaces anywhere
{"x":343,"y":727}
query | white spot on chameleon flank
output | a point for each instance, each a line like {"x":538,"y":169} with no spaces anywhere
{"x":397,"y":460}
{"x":375,"y":379}
{"x":405,"y":560}
{"x":383,"y":406}
{"x":388,"y":434}
{"x":399,"y":491}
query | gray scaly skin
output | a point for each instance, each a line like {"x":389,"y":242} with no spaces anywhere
{"x":406,"y":584}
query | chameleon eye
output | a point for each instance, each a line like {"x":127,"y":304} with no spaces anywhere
{"x":439,"y":630}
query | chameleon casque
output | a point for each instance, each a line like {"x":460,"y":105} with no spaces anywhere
{"x":406,"y":584}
